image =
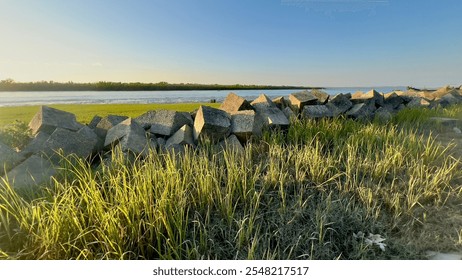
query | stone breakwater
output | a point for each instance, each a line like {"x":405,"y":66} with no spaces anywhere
{"x":57,"y":133}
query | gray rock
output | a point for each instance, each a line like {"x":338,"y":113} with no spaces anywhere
{"x":89,"y":137}
{"x":107,"y":123}
{"x":129,"y":136}
{"x":233,"y":103}
{"x":146,"y":120}
{"x":280,"y":102}
{"x":243,"y":125}
{"x":339,"y":104}
{"x":322,"y":96}
{"x":448,"y":100}
{"x":36,"y":145}
{"x":31,"y":173}
{"x":232,"y":144}
{"x":8,"y":158}
{"x":444,"y":122}
{"x":456,"y":130}
{"x":69,"y":142}
{"x":167,"y":122}
{"x":288,"y":113}
{"x":372,"y":95}
{"x":184,"y":136}
{"x":47,"y":119}
{"x":268,"y":114}
{"x":392,"y":100}
{"x":161,"y":142}
{"x":212,"y":124}
{"x":94,"y":122}
{"x":418,"y":102}
{"x":383,"y":115}
{"x":362,"y":111}
{"x":300,"y":99}
{"x":317,"y":111}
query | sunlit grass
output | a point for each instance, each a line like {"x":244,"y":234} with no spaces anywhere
{"x":295,"y":195}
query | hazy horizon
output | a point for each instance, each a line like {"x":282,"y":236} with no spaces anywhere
{"x":348,"y":43}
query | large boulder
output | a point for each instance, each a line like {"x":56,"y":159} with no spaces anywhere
{"x":268,"y":114}
{"x":231,"y":144}
{"x":233,"y":103}
{"x":183,"y":136}
{"x":129,"y":136}
{"x":94,"y":121}
{"x":448,"y":100}
{"x":339,"y":104}
{"x":8,"y":158}
{"x":167,"y":122}
{"x":383,"y":114}
{"x":392,"y":100}
{"x":147,"y":119}
{"x":362,"y":111}
{"x":31,"y":173}
{"x":300,"y":99}
{"x":47,"y":119}
{"x":280,"y":102}
{"x":212,"y":124}
{"x":372,"y":95}
{"x":81,"y":143}
{"x":243,"y":125}
{"x":322,"y":96}
{"x":418,"y":102}
{"x":317,"y":112}
{"x":36,"y":145}
{"x":107,"y":123}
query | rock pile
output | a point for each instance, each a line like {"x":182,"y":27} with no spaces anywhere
{"x":237,"y":120}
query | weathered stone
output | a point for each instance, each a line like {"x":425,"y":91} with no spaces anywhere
{"x":128,"y":136}
{"x":243,"y":125}
{"x":8,"y":158}
{"x":183,"y":136}
{"x":167,"y":122}
{"x":161,"y":142}
{"x":48,"y":119}
{"x":280,"y":102}
{"x":288,"y":113}
{"x":233,"y":103}
{"x":36,"y":145}
{"x":32,"y":172}
{"x":383,"y":115}
{"x":360,"y":97}
{"x":146,"y":119}
{"x":339,"y":104}
{"x":362,"y":111}
{"x":448,"y":100}
{"x":89,"y":137}
{"x":300,"y":99}
{"x":268,"y":114}
{"x":322,"y":96}
{"x":392,"y":100}
{"x":232,"y":144}
{"x":94,"y":122}
{"x":317,"y":111}
{"x":68,"y":142}
{"x":417,"y":102}
{"x":212,"y":124}
{"x":107,"y":123}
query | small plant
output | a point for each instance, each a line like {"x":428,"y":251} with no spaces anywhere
{"x":16,"y":134}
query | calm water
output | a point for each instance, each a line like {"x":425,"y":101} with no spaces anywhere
{"x":117,"y":97}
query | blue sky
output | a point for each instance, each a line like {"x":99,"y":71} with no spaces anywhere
{"x":278,"y":42}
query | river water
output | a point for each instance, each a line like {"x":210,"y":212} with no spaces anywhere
{"x":122,"y":97}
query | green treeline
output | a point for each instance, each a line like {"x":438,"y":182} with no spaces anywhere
{"x":10,"y":85}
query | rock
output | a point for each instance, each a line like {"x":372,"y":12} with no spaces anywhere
{"x":90,"y":138}
{"x":146,"y":119}
{"x":32,"y":172}
{"x":288,"y":113}
{"x":36,"y":145}
{"x":233,"y":103}
{"x":444,"y":122}
{"x":232,"y":144}
{"x":300,"y":99}
{"x":362,"y":111}
{"x":94,"y":122}
{"x":128,"y":136}
{"x":448,"y":100}
{"x":167,"y":122}
{"x":212,"y":124}
{"x":392,"y":100}
{"x":8,"y":158}
{"x":322,"y":96}
{"x":243,"y":125}
{"x":317,"y":111}
{"x":456,"y":130}
{"x":184,"y":136}
{"x":372,"y":95}
{"x":418,"y":102}
{"x":268,"y":114}
{"x":48,"y":119}
{"x":107,"y":123}
{"x":161,"y":142}
{"x":339,"y":104}
{"x":280,"y":102}
{"x":69,"y":142}
{"x":383,"y":115}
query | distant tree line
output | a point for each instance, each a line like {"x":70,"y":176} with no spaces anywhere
{"x":11,"y":85}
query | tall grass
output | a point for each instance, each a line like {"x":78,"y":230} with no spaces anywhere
{"x":299,"y":194}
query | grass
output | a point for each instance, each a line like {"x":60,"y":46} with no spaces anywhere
{"x":295,"y":195}
{"x":85,"y":113}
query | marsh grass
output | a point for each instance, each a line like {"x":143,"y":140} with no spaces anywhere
{"x":299,"y":194}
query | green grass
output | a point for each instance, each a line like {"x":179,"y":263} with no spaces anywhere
{"x":85,"y":113}
{"x":295,"y":195}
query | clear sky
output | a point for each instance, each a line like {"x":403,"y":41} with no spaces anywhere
{"x":278,"y":42}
